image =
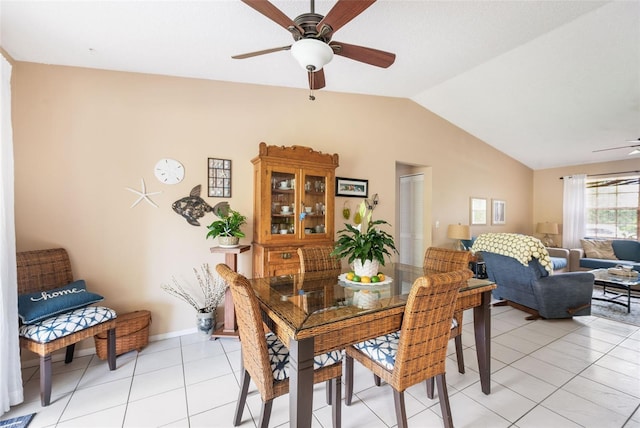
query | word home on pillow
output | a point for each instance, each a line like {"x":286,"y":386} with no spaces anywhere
{"x":36,"y":307}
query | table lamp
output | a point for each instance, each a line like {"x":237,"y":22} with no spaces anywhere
{"x":458,"y":232}
{"x":548,"y":229}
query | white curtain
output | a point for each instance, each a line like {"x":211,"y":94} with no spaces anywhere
{"x":573,"y":210}
{"x":10,"y":375}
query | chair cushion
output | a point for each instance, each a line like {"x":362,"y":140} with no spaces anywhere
{"x":67,"y":323}
{"x":558,"y":263}
{"x":36,"y":307}
{"x":279,"y":358}
{"x":382,"y":349}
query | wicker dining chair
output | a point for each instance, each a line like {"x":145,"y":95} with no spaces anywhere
{"x":42,"y":270}
{"x":262,"y":356}
{"x":319,"y":259}
{"x":316,"y":259}
{"x":446,"y":260}
{"x":419,"y":350}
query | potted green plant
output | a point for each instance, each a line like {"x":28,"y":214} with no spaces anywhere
{"x":227,"y":229}
{"x":365,"y":245}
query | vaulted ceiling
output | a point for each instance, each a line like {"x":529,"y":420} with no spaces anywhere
{"x":546,"y":82}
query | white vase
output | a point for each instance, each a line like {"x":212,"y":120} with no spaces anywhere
{"x":205,"y":322}
{"x":369,"y":268}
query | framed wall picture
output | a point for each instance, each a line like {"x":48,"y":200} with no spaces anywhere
{"x":219,"y":178}
{"x":498,"y":211}
{"x":352,"y":187}
{"x":477,"y":211}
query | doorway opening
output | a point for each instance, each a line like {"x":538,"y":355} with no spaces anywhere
{"x":413,"y":212}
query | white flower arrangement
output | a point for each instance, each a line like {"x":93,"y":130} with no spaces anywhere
{"x":212,"y":289}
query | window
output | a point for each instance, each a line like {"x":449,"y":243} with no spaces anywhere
{"x":612,"y":207}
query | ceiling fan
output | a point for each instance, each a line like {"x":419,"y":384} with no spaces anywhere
{"x":636,"y":150}
{"x":312,"y":33}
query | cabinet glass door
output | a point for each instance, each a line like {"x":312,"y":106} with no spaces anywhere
{"x":283,"y":188}
{"x":314,"y":204}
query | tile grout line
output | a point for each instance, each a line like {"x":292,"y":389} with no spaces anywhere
{"x":184,"y":383}
{"x":133,"y":374}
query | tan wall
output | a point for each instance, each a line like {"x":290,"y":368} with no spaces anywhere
{"x":82,"y":136}
{"x":548,"y":188}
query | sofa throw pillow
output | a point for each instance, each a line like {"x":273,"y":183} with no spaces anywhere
{"x":598,"y":249}
{"x":35,"y":307}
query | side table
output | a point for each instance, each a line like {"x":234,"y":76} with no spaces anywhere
{"x":229,"y":328}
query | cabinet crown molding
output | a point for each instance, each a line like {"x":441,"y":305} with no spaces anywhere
{"x":302,"y":153}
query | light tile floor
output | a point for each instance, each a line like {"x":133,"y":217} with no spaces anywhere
{"x":583,"y":372}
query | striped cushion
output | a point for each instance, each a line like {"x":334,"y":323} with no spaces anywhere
{"x":67,"y":323}
{"x":279,"y":358}
{"x":383,"y":349}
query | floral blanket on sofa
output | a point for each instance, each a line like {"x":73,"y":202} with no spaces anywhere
{"x":521,"y":247}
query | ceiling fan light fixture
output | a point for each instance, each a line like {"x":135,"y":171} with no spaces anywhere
{"x":312,"y":54}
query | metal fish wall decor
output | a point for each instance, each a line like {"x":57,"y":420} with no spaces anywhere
{"x":192,"y":207}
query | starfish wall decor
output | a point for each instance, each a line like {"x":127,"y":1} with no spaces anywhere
{"x":143,"y":194}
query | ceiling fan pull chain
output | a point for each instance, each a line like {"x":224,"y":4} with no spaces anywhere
{"x":313,"y":83}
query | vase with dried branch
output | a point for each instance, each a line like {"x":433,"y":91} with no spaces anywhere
{"x":204,"y":298}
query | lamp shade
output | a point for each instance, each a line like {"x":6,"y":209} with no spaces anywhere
{"x":547,"y":228}
{"x":312,"y":54}
{"x":458,"y":231}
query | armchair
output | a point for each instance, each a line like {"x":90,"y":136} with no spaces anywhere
{"x":44,"y":270}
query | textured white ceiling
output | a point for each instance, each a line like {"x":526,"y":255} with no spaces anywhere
{"x":546,"y":82}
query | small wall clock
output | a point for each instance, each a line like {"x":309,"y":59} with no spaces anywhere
{"x":169,"y":171}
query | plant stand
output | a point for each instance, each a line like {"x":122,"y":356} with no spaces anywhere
{"x":229,"y":328}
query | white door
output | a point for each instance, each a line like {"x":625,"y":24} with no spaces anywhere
{"x":411,"y":201}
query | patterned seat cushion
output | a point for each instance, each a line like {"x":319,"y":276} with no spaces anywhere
{"x":67,"y":323}
{"x":383,"y":349}
{"x":279,"y":358}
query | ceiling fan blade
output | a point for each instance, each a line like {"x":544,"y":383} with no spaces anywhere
{"x":262,"y":52}
{"x":273,"y":13}
{"x":316,"y":79}
{"x":617,"y":148}
{"x":367,"y":55}
{"x":341,"y":13}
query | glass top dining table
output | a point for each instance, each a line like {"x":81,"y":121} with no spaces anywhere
{"x":317,"y":312}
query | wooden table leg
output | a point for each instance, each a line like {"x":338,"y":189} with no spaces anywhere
{"x":482,"y":329}
{"x":301,"y":383}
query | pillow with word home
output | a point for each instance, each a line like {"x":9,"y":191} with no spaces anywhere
{"x":38,"y":306}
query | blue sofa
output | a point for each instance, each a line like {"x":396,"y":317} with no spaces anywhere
{"x":563,"y":295}
{"x":626,"y":251}
{"x":528,"y":284}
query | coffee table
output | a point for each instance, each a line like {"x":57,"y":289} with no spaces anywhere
{"x":618,"y":282}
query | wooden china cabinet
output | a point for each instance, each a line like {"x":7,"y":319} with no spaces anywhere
{"x":293,"y":206}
